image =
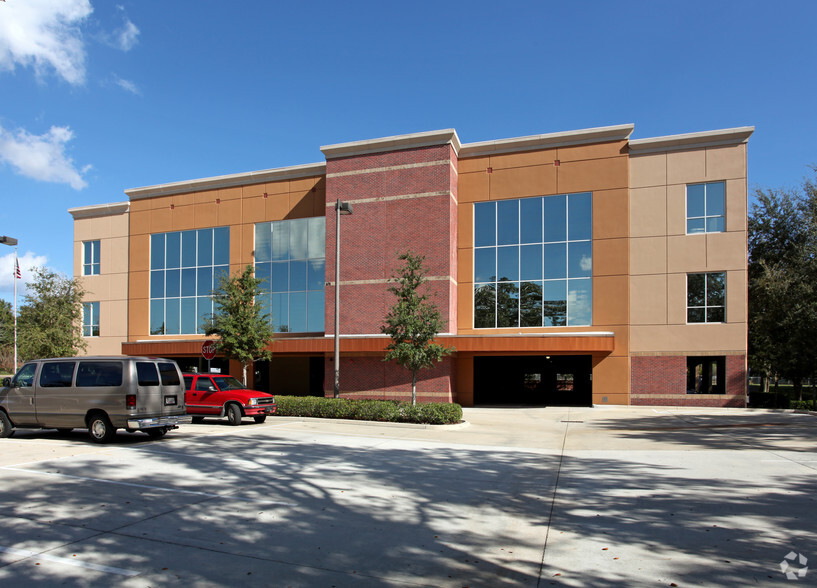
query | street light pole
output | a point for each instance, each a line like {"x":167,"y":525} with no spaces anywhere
{"x":340,"y":208}
{"x":11,"y":241}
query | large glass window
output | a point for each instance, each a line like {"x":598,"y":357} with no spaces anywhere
{"x":90,"y":319}
{"x":533,"y":262}
{"x":705,"y":208}
{"x":185,"y":267}
{"x":290,"y":256}
{"x":706,"y":298}
{"x":90,"y":258}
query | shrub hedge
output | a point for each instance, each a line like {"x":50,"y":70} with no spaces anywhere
{"x":432,"y":413}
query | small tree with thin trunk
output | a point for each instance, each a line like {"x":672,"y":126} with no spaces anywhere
{"x":50,"y":321}
{"x":243,"y":330}
{"x":413,"y":322}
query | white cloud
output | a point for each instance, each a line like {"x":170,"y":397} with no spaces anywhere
{"x":44,"y":34}
{"x":127,"y":36}
{"x":27,"y":264}
{"x":127,"y":85}
{"x":42,"y":157}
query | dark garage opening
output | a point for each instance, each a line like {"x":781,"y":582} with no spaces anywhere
{"x":539,"y":380}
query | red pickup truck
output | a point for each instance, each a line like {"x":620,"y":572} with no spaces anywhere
{"x":219,"y":396}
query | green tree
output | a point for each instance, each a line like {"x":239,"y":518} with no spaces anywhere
{"x":243,"y":330}
{"x":413,"y":322}
{"x":6,"y":337}
{"x":50,"y":320}
{"x":783,"y":283}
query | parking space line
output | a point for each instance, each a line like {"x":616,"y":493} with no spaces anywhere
{"x":148,"y":487}
{"x":69,"y":562}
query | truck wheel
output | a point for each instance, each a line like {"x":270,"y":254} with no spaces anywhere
{"x":260,"y":418}
{"x":156,"y":432}
{"x":197,"y":420}
{"x":233,"y":414}
{"x":6,"y":428}
{"x":100,"y":428}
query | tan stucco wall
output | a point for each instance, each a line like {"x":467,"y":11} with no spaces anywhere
{"x":661,"y":253}
{"x":110,"y":287}
{"x":238,"y":208}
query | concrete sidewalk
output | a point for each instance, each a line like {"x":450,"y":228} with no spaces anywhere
{"x":612,"y":496}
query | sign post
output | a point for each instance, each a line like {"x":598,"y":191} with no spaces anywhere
{"x":208,"y":352}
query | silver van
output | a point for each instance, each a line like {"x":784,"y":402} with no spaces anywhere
{"x":101,"y":394}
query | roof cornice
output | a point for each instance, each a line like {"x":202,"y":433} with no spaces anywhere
{"x":394,"y":143}
{"x":548,"y":141}
{"x":733,"y":136}
{"x":97,"y":210}
{"x":229,"y":181}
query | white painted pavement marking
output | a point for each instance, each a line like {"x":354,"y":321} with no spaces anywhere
{"x":68,"y":561}
{"x":147,"y":487}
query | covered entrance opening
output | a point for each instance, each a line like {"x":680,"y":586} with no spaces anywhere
{"x":540,"y":380}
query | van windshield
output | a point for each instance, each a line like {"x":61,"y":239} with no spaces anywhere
{"x":228,"y":383}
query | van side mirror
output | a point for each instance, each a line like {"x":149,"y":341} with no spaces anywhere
{"x":6,"y":382}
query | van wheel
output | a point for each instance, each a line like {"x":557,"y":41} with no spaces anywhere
{"x":100,"y":428}
{"x":157,"y":432}
{"x":6,"y":428}
{"x":197,"y":420}
{"x":260,"y":418}
{"x":233,"y":414}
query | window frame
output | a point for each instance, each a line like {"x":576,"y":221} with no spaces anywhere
{"x":705,"y":296}
{"x":705,"y":217}
{"x":93,"y":266}
{"x":90,"y":319}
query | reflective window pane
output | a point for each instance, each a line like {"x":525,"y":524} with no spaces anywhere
{"x":696,"y":289}
{"x":157,"y":284}
{"x":484,"y":224}
{"x":157,"y":251}
{"x":530,"y":304}
{"x":715,"y":289}
{"x":172,"y":316}
{"x":507,"y":222}
{"x":530,"y":220}
{"x":316,"y":275}
{"x":696,"y":200}
{"x":204,"y":308}
{"x":297,"y":312}
{"x":555,"y":218}
{"x":715,"y":224}
{"x":263,"y":271}
{"x":579,"y":261}
{"x":507,"y":304}
{"x":484,"y":306}
{"x":280,"y":311}
{"x":554,"y":306}
{"x":280,"y":277}
{"x":280,"y":241}
{"x":530,"y":262}
{"x":696,"y":225}
{"x":579,"y":216}
{"x":315,"y":311}
{"x":189,"y":284}
{"x":579,"y":302}
{"x":297,"y":276}
{"x":172,"y":283}
{"x":204,"y":281}
{"x":189,"y":249}
{"x":317,"y":238}
{"x":205,"y":247}
{"x":263,"y":242}
{"x":485,"y":265}
{"x":173,"y":250}
{"x":507,"y":263}
{"x":221,"y":246}
{"x":157,"y":317}
{"x":188,"y":315}
{"x":696,"y":315}
{"x":714,"y":199}
{"x":555,"y":261}
{"x":715,"y":315}
{"x":298,"y":238}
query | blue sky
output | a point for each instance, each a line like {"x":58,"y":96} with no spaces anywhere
{"x":98,"y":97}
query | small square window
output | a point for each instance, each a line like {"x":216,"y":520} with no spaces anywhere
{"x":706,"y":206}
{"x":706,"y":298}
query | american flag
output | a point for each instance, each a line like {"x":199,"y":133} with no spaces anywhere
{"x":17,"y":273}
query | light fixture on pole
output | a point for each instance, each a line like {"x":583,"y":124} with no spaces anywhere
{"x":12,"y":242}
{"x":340,"y":208}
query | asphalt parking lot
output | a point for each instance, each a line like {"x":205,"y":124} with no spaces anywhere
{"x":608,"y":496}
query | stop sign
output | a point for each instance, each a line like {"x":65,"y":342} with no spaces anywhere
{"x":208,"y":350}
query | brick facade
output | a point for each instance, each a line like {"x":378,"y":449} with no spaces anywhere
{"x":661,"y":380}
